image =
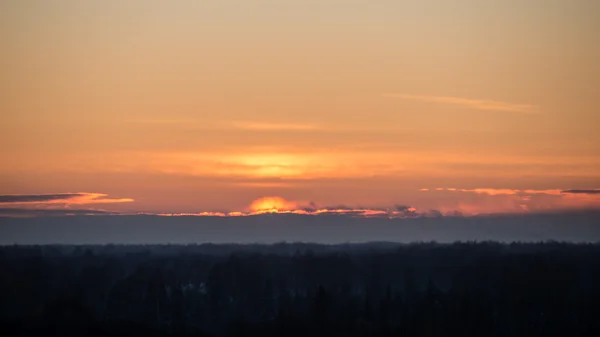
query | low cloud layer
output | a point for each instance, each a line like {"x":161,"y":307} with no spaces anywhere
{"x":80,"y":198}
{"x":439,"y":202}
{"x":55,"y":204}
{"x":498,"y":200}
{"x":501,"y":191}
{"x":56,"y":212}
{"x":36,"y":198}
{"x":582,"y":191}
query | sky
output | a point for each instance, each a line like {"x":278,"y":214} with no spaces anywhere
{"x":207,"y":107}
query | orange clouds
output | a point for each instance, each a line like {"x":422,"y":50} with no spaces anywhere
{"x":58,"y":204}
{"x":458,"y":202}
{"x":490,"y":200}
{"x":278,"y":205}
{"x":501,"y":191}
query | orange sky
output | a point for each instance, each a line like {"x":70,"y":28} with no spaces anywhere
{"x":191,"y":106}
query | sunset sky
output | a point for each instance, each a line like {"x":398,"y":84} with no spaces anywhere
{"x":163,"y":107}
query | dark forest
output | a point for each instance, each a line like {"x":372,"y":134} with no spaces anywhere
{"x":376,"y":289}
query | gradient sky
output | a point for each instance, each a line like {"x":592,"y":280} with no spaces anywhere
{"x":189,"y":106}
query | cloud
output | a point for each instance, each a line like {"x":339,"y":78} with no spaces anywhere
{"x":36,"y":198}
{"x":501,"y":191}
{"x":595,"y":191}
{"x":66,"y":204}
{"x":488,"y":191}
{"x":278,"y":205}
{"x":403,"y":208}
{"x":433,"y":214}
{"x":80,"y":198}
{"x":405,"y":211}
{"x":240,"y":125}
{"x":491,"y":200}
{"x":275,"y":184}
{"x":443,"y":202}
{"x":263,"y":126}
{"x":477,"y":104}
{"x":40,"y":212}
{"x":547,"y":192}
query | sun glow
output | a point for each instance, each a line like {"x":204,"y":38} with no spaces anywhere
{"x":271,"y":205}
{"x":273,"y":165}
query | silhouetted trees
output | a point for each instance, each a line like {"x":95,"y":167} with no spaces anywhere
{"x":427,"y":289}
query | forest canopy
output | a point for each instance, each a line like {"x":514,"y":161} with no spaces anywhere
{"x":302,"y":289}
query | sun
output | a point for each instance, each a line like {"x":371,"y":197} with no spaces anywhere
{"x":271,"y":204}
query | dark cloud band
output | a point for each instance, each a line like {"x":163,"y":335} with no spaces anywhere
{"x":581,"y":191}
{"x":29,"y":212}
{"x":5,"y":199}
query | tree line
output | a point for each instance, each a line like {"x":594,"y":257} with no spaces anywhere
{"x":378,"y":289}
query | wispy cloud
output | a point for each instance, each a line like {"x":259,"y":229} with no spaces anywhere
{"x":264,"y":126}
{"x":37,"y":212}
{"x":162,"y":121}
{"x":36,"y":198}
{"x":488,"y":191}
{"x":595,"y":191}
{"x":493,"y":200}
{"x":500,"y":191}
{"x":478,"y":104}
{"x":229,"y":125}
{"x":56,"y":204}
{"x":80,"y":198}
{"x":546,"y":192}
{"x":267,"y":184}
